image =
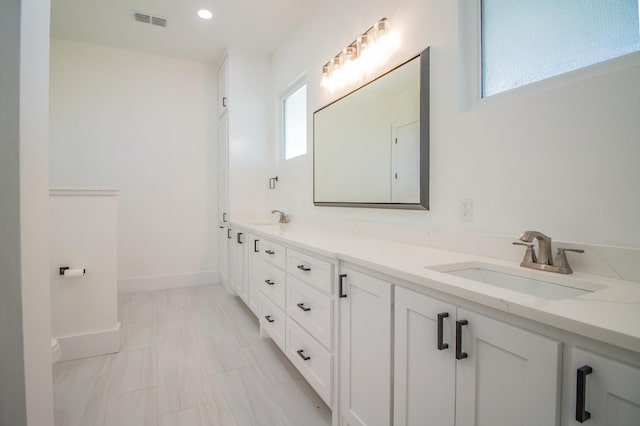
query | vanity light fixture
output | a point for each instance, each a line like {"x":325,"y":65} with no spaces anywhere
{"x":205,"y":14}
{"x":360,"y":58}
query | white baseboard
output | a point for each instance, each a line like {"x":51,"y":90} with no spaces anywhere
{"x":89,"y":344}
{"x":163,"y":282}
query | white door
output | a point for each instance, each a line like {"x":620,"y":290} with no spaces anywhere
{"x":609,"y":394}
{"x":365,"y":350}
{"x":505,"y":375}
{"x":223,"y":87}
{"x":253,"y":273}
{"x":424,"y":361}
{"x":237,"y":265}
{"x":223,"y":169}
{"x":405,"y":163}
{"x":223,"y":257}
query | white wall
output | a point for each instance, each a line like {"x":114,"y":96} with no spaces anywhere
{"x":84,"y":310}
{"x":561,"y":159}
{"x":146,"y":125}
{"x":26,"y":395}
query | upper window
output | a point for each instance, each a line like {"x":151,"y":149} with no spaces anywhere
{"x":295,"y":122}
{"x":524,"y":41}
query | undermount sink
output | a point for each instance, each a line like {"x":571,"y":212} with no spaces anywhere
{"x":547,"y":286}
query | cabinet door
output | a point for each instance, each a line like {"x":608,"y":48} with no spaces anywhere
{"x":424,"y":361}
{"x":237,"y":265}
{"x":223,"y":255}
{"x":509,"y":377}
{"x":365,"y":350}
{"x":253,"y":273}
{"x":223,"y":170}
{"x":610,"y":394}
{"x":223,"y":87}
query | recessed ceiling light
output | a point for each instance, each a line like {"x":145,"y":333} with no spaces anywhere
{"x":205,"y":14}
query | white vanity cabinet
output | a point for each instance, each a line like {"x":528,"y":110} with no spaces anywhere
{"x":365,"y":349}
{"x":252,"y":251}
{"x":237,"y":257}
{"x":271,"y":280}
{"x":467,"y":369}
{"x":425,"y":365}
{"x":310,"y":319}
{"x":600,"y":391}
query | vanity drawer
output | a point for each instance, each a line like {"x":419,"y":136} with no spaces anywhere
{"x":272,"y":320}
{"x":311,"y":309}
{"x":272,"y":283}
{"x":314,"y":271}
{"x":273,"y":253}
{"x":311,"y":359}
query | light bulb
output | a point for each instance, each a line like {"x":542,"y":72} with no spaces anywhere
{"x":205,"y":14}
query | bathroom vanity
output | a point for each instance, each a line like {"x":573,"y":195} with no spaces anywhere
{"x":393,"y":333}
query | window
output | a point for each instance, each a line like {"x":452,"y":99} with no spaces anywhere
{"x":295,"y":122}
{"x":524,"y":41}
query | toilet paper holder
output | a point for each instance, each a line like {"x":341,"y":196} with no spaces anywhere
{"x":65,"y":268}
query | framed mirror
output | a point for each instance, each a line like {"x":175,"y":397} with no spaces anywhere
{"x":371,"y":147}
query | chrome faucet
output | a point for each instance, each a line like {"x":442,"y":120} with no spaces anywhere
{"x":283,"y":217}
{"x":543,"y":261}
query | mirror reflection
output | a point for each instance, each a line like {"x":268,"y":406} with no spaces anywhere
{"x":370,"y":147}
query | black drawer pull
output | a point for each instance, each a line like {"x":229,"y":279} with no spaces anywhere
{"x":582,"y":415}
{"x":270,"y":252}
{"x":224,"y":101}
{"x":269,"y":282}
{"x":239,"y":237}
{"x":441,"y":345}
{"x":229,"y":233}
{"x":342,"y":293}
{"x":224,"y":217}
{"x":459,"y":353}
{"x":302,"y":355}
{"x":303,"y":268}
{"x":268,"y":318}
{"x":255,"y":246}
{"x":304,"y":308}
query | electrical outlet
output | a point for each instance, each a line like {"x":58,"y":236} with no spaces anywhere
{"x":466,"y":210}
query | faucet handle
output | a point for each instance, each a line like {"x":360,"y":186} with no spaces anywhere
{"x":561,"y":260}
{"x":530,"y":254}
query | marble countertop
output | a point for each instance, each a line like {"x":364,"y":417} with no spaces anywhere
{"x":611,"y":315}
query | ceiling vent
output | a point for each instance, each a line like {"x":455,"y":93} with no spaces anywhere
{"x":161,"y":22}
{"x":148,"y":19}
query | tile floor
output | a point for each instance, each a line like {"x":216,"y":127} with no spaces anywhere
{"x":188,"y":357}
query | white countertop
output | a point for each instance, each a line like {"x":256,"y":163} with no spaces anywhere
{"x":611,"y":315}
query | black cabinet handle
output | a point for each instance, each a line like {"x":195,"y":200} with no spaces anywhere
{"x":582,"y":415}
{"x":459,"y":353}
{"x":303,"y":268}
{"x":304,"y":308}
{"x":269,"y":282}
{"x":270,"y":252}
{"x":229,"y":233}
{"x":441,"y":316}
{"x":220,"y":226}
{"x":255,"y":246}
{"x":342,"y":277}
{"x":224,"y":217}
{"x":224,"y":101}
{"x":239,"y":237}
{"x":268,"y":318}
{"x":302,"y":355}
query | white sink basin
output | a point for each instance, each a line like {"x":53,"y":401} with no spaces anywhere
{"x":546,"y":285}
